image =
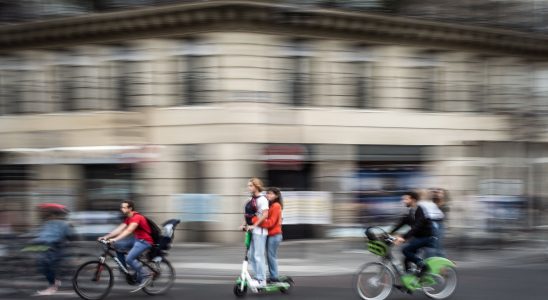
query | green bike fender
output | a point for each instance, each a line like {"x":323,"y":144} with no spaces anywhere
{"x":435,"y":264}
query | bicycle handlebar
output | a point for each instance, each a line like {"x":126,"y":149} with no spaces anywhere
{"x":384,"y":235}
{"x":105,"y":243}
{"x":390,"y":238}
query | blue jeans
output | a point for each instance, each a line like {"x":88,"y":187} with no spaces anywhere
{"x":48,"y":263}
{"x":439,"y":242}
{"x":272,"y":244}
{"x":437,"y":250}
{"x":257,"y":256}
{"x":411,"y":249}
{"x":135,"y":248}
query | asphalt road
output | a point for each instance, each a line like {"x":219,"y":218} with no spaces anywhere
{"x":518,"y":280}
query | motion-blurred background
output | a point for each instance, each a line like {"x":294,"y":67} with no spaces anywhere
{"x":342,"y":104}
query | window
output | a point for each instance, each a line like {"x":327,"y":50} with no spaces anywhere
{"x":194,"y":73}
{"x":299,"y":75}
{"x":424,"y":75}
{"x":107,"y":185}
{"x":429,"y":87}
{"x":507,"y":79}
{"x":124,"y":77}
{"x":194,"y":169}
{"x":195,"y":76}
{"x":11,"y":89}
{"x":364,"y":84}
{"x":482,"y":91}
{"x":192,"y":79}
{"x":123,"y":84}
{"x":353,"y":80}
{"x":540,"y":89}
{"x":66,"y":75}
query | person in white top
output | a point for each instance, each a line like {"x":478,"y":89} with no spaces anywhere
{"x":259,"y":204}
{"x":436,"y":217}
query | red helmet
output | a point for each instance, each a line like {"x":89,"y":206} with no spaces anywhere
{"x":53,"y":207}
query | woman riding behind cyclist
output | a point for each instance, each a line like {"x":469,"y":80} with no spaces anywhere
{"x":256,"y":211}
{"x":274,"y":225}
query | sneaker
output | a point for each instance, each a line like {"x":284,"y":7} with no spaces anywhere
{"x":47,"y":292}
{"x":257,"y":283}
{"x":146,"y":282}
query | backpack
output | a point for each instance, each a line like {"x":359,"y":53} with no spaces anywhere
{"x":250,"y":210}
{"x":155,"y":231}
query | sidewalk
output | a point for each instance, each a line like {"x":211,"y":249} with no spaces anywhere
{"x":334,"y":257}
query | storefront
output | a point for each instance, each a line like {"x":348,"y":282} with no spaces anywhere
{"x":95,"y":178}
{"x":289,"y":168}
{"x":383,"y":174}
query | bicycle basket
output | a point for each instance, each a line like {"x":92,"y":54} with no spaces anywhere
{"x":377,"y":247}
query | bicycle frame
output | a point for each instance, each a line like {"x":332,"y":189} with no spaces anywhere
{"x":111,"y":252}
{"x":108,"y":253}
{"x":398,"y":273}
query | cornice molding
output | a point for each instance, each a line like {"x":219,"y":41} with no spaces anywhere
{"x":256,"y":16}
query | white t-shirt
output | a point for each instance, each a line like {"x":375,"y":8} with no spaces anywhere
{"x":431,"y":210}
{"x":262,"y":205}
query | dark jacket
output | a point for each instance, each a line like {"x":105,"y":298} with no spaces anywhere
{"x":420,"y":225}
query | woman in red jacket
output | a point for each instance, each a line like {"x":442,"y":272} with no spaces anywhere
{"x":274,"y":225}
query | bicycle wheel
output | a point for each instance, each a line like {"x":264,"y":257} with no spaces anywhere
{"x":163,"y":277}
{"x":446,"y":283}
{"x":374,"y":281}
{"x":93,"y":280}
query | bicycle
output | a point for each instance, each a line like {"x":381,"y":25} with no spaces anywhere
{"x":376,"y":280}
{"x":94,"y":279}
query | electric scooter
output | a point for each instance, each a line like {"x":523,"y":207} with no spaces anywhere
{"x":242,"y":286}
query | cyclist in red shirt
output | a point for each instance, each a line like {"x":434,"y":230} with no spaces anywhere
{"x":135,"y":224}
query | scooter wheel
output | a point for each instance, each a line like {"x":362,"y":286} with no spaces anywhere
{"x":291,"y":283}
{"x":239,"y":292}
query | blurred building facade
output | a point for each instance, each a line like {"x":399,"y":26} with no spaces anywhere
{"x":160,"y":103}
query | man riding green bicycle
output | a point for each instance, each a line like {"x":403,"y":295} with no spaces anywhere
{"x":421,"y":218}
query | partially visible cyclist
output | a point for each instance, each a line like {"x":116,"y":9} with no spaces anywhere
{"x":135,"y":245}
{"x":422,"y":233}
{"x":52,"y":236}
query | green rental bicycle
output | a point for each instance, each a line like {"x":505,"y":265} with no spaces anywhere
{"x":376,"y":280}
